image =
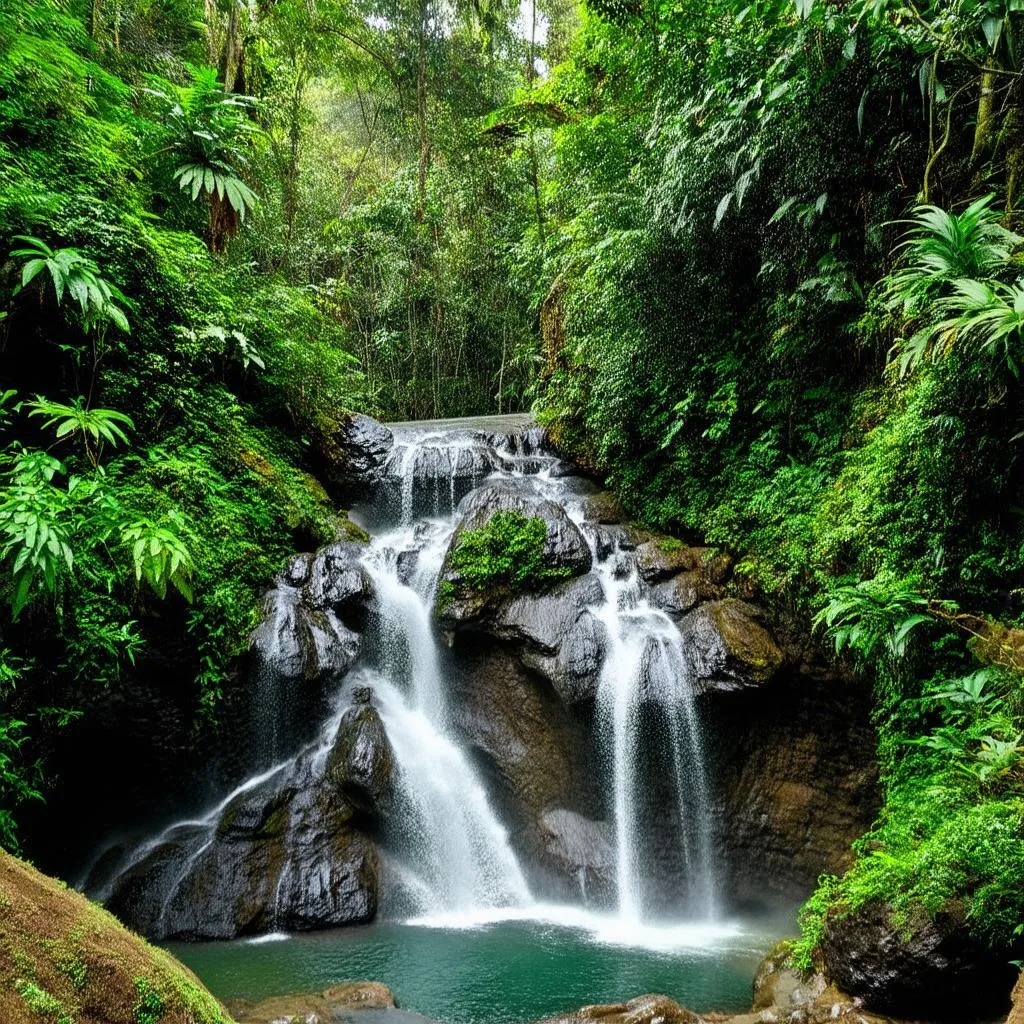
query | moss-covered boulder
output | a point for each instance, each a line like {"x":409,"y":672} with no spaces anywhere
{"x":64,"y":960}
{"x":351,"y":450}
{"x":509,"y":540}
{"x":729,"y":646}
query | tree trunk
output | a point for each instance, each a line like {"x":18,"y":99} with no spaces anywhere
{"x":210,"y":18}
{"x":233,"y":48}
{"x":96,"y":21}
{"x":1013,"y":139}
{"x":984,"y":129}
{"x":421,"y":115}
{"x":291,"y":190}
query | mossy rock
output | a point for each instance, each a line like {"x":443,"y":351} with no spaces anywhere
{"x":65,"y":960}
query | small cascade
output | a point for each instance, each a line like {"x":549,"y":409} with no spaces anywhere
{"x":454,"y":843}
{"x":645,"y":664}
{"x":451,"y":839}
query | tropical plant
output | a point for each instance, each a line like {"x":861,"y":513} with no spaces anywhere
{"x":943,"y":247}
{"x":986,"y":315}
{"x":160,"y":557}
{"x":35,"y":535}
{"x":209,"y":129}
{"x":76,"y":275}
{"x":874,"y":616}
{"x":18,"y":781}
{"x":94,"y":426}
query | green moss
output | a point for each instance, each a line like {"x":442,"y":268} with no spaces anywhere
{"x":507,"y":552}
{"x":149,"y":1009}
{"x":42,"y":1003}
{"x":68,"y":958}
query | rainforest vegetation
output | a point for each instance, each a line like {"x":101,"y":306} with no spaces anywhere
{"x":757,"y":264}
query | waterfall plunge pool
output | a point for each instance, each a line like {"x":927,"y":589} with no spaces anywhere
{"x":506,"y":970}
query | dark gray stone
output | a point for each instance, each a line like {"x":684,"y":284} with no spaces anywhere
{"x":728,"y":646}
{"x":583,"y":850}
{"x":922,"y":968}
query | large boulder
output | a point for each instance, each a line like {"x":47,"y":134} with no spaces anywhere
{"x":729,"y":647}
{"x":64,"y":958}
{"x":352,"y":451}
{"x":565,"y":547}
{"x":916,"y":966}
{"x":285,"y":851}
{"x":337,"y":581}
{"x":361,"y":762}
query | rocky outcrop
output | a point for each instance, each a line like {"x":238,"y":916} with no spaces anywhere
{"x":64,"y":958}
{"x":290,"y":850}
{"x":361,"y":763}
{"x":333,"y":1004}
{"x":728,"y":645}
{"x":797,"y":781}
{"x":916,"y":966}
{"x":308,"y":638}
{"x":352,"y":452}
{"x":537,"y":756}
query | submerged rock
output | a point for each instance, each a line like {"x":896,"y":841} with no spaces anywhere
{"x":649,"y":1009}
{"x":917,"y":967}
{"x":315,"y":1007}
{"x":728,"y":646}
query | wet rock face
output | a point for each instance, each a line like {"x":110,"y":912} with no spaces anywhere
{"x":581,"y":849}
{"x":796,"y":782}
{"x":924,"y":968}
{"x":536,"y":755}
{"x":361,"y":762}
{"x":284,"y":853}
{"x":353,"y":452}
{"x":564,"y":547}
{"x":729,"y":647}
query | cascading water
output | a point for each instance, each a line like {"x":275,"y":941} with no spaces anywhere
{"x":444,"y":847}
{"x":456,"y":849}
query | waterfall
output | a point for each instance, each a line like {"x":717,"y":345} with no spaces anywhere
{"x":645,"y":663}
{"x":455,"y":846}
{"x":443,"y":846}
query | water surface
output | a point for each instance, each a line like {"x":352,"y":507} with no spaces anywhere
{"x":503,"y":972}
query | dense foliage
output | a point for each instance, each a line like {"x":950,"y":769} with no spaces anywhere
{"x":757,"y":263}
